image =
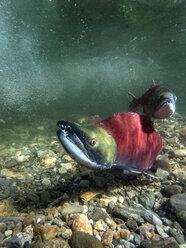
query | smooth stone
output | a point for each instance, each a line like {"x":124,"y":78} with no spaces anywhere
{"x":162,"y":174}
{"x":3,"y":227}
{"x":107,"y":237}
{"x":165,"y":243}
{"x":84,"y":240}
{"x":125,"y":213}
{"x":180,"y":173}
{"x":167,"y":222}
{"x":132,"y":224}
{"x":179,"y":153}
{"x":137,"y":239}
{"x":147,"y":199}
{"x":98,"y":214}
{"x":161,"y":232}
{"x":182,"y":218}
{"x":163,"y":162}
{"x":172,"y":190}
{"x":178,"y":202}
{"x":81,"y":223}
{"x":47,"y":232}
{"x":146,"y":230}
{"x":50,"y":161}
{"x":183,"y":131}
{"x":177,"y":235}
{"x":152,"y":218}
{"x":125,"y":234}
{"x":73,"y":209}
{"x":54,"y":243}
{"x":100,"y":225}
{"x":66,"y":233}
{"x":8,"y":233}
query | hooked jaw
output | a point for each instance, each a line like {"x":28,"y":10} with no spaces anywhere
{"x":166,"y":108}
{"x":73,"y":142}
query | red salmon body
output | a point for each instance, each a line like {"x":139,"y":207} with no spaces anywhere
{"x":138,"y":144}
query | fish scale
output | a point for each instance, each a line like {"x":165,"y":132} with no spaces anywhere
{"x":138,"y":143}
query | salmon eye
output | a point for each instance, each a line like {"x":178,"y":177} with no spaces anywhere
{"x":93,"y":142}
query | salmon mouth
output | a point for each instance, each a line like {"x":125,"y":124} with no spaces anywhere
{"x":165,"y":108}
{"x":74,"y":142}
{"x":166,"y":101}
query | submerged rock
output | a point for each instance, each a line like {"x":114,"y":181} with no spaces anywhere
{"x":165,"y":243}
{"x":84,"y":240}
{"x":81,"y":223}
{"x":178,"y":202}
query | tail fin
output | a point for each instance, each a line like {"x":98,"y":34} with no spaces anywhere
{"x":134,"y":104}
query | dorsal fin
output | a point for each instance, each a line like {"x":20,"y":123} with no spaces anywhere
{"x":134,"y":103}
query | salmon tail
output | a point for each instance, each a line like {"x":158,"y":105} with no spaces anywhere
{"x":134,"y":103}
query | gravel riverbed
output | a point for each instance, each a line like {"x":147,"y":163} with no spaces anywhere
{"x":48,"y":200}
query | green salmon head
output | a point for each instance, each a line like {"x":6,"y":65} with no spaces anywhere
{"x":89,"y":145}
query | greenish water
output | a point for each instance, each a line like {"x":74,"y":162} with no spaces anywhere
{"x":64,"y":58}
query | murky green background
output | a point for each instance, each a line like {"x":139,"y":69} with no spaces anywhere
{"x":61,"y":58}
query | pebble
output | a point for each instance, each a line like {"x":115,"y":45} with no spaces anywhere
{"x":161,"y":232}
{"x":165,"y":243}
{"x":147,"y":199}
{"x":172,"y":190}
{"x":125,"y":213}
{"x":82,"y":224}
{"x":179,"y":153}
{"x":182,"y":218}
{"x":84,"y":240}
{"x":125,"y":234}
{"x":162,"y":174}
{"x":66,"y":233}
{"x":46,"y":182}
{"x":152,"y":218}
{"x":183,"y":131}
{"x":3,"y":227}
{"x":132,"y":224}
{"x":47,"y":232}
{"x":178,"y":202}
{"x":177,"y":235}
{"x":100,"y":225}
{"x":163,"y":162}
{"x":20,"y":240}
{"x":98,"y":214}
{"x":50,"y":161}
{"x":180,"y":173}
{"x":87,"y":196}
{"x":8,"y":233}
{"x":107,"y":237}
{"x":72,"y":209}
